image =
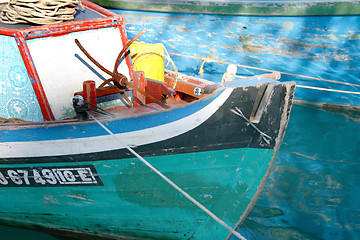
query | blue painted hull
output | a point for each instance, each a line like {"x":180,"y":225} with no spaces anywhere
{"x":78,"y":175}
{"x":76,"y":179}
{"x":319,"y":52}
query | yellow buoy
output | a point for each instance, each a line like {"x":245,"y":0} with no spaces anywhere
{"x":149,"y":58}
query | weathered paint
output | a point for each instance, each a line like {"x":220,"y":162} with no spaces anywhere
{"x":46,"y":70}
{"x":73,"y":69}
{"x":34,"y":77}
{"x":301,"y":48}
{"x":257,"y":7}
{"x":139,"y":203}
{"x":227,"y":181}
{"x":95,"y":182}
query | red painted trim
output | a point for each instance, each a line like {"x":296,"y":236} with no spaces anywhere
{"x":34,"y":77}
{"x":99,"y":9}
{"x":139,"y":82}
{"x":69,"y":27}
{"x":89,"y":93}
{"x":109,"y":19}
{"x":7,"y":31}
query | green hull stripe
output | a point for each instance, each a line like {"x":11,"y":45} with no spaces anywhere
{"x":136,"y":202}
{"x":266,"y":8}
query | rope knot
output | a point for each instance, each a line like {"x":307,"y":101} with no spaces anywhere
{"x":207,"y":59}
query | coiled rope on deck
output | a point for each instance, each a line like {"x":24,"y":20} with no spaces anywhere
{"x":39,"y":12}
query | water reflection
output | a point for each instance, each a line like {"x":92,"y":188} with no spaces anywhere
{"x":313,"y":192}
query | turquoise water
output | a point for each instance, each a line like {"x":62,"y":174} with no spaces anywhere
{"x":325,"y":47}
{"x":314,"y":190}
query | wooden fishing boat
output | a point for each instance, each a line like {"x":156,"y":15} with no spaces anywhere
{"x":240,"y":7}
{"x":314,"y":43}
{"x":137,"y":159}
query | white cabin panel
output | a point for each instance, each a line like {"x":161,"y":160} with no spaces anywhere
{"x":62,"y":67}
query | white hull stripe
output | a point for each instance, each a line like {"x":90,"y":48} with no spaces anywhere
{"x":106,"y":142}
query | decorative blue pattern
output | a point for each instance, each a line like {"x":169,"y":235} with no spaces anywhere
{"x":18,"y":99}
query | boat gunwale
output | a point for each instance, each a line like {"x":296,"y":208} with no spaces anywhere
{"x":104,"y":119}
{"x":109,"y":19}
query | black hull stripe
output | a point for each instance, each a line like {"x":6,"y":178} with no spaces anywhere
{"x":223,"y":130}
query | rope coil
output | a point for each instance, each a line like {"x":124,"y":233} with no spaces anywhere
{"x":39,"y":12}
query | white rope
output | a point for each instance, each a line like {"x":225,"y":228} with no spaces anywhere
{"x":328,"y":89}
{"x":215,"y":59}
{"x":263,"y":135}
{"x":238,"y":235}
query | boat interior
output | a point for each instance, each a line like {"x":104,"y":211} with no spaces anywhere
{"x":65,"y":61}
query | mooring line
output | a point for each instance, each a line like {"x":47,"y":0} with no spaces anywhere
{"x":207,"y":211}
{"x":212,"y":59}
{"x":328,"y":89}
{"x":263,"y":135}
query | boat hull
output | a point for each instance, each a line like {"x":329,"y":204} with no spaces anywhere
{"x":204,"y":125}
{"x":136,"y":203}
{"x":222,"y":161}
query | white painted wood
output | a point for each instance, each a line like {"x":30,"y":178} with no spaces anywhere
{"x":106,"y":142}
{"x":60,"y":64}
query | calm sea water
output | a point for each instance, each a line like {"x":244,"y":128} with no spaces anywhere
{"x":314,"y":190}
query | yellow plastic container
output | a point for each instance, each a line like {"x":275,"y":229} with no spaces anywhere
{"x":148,"y":57}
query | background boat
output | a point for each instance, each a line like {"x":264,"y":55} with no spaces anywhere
{"x":318,"y":49}
{"x":240,"y":7}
